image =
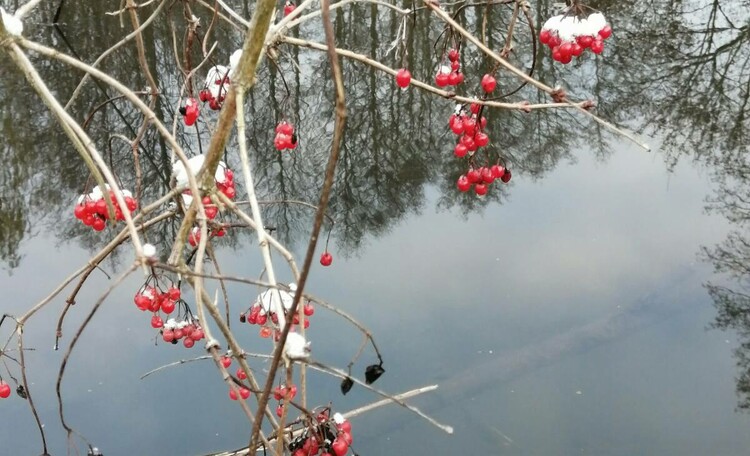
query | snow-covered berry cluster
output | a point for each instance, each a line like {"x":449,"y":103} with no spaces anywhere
{"x":216,"y":87}
{"x":91,"y":208}
{"x":265,"y":310}
{"x":188,"y":330}
{"x":569,"y":35}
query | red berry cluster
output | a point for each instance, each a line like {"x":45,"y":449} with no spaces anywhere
{"x":216,"y":87}
{"x":4,"y":390}
{"x":286,"y":138}
{"x":470,"y":129}
{"x":157,"y":298}
{"x":263,"y":314}
{"x":281,"y":393}
{"x":194,"y":238}
{"x":190,"y":111}
{"x":327,"y":437}
{"x":569,"y":36}
{"x":450,"y":75}
{"x":91,"y":209}
{"x":481,"y":178}
{"x":289,"y":7}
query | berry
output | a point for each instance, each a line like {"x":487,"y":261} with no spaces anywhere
{"x":441,"y":79}
{"x":241,"y":374}
{"x":279,"y":410}
{"x":265,"y":332}
{"x":157,"y":322}
{"x":308,"y":309}
{"x":168,"y":335}
{"x":463,"y":184}
{"x":480,"y":189}
{"x":453,"y":55}
{"x":497,"y":171}
{"x":233,"y":394}
{"x":453,"y":78}
{"x":167,"y":306}
{"x":481,"y":139}
{"x":487,"y":175}
{"x":403,"y":78}
{"x":174,"y":293}
{"x":606,"y":32}
{"x":488,"y":83}
{"x":346,"y":426}
{"x":473,"y":176}
{"x":4,"y":390}
{"x":226,"y":361}
{"x":597,"y":47}
{"x":460,"y":151}
{"x":544,"y":36}
{"x":288,"y":8}
{"x":244,"y":393}
{"x":188,"y":342}
{"x":339,"y":447}
{"x":326,"y":259}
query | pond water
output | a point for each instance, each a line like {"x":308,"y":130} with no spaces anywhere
{"x":568,"y":312}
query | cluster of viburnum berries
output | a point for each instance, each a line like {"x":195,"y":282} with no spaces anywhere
{"x":328,"y":436}
{"x":286,"y":137}
{"x":159,"y":298}
{"x":215,"y":87}
{"x":91,"y":209}
{"x":569,"y":35}
{"x":264,"y":312}
{"x":450,"y":75}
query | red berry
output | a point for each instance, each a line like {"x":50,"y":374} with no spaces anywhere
{"x":455,"y":65}
{"x":204,"y":95}
{"x":241,"y":374}
{"x":544,"y":36}
{"x":244,"y":393}
{"x":606,"y":32}
{"x":487,"y":175}
{"x":585,"y":41}
{"x":279,"y":392}
{"x":308,"y":310}
{"x":441,"y":79}
{"x":79,"y":211}
{"x":480,"y":189}
{"x":265,"y":332}
{"x":288,"y":8}
{"x":188,"y":342}
{"x":597,"y":47}
{"x":453,"y":78}
{"x":403,"y":78}
{"x":339,"y":447}
{"x":481,"y":139}
{"x":576,"y":50}
{"x":474,"y":176}
{"x":453,"y":55}
{"x":174,"y":293}
{"x":326,"y":259}
{"x":4,"y":390}
{"x":346,"y":426}
{"x":470,"y":126}
{"x":463,"y":184}
{"x":474,"y":107}
{"x":98,"y":224}
{"x":457,"y":126}
{"x":198,"y":334}
{"x":226,"y":361}
{"x":157,"y":322}
{"x":279,"y":410}
{"x":460,"y":151}
{"x":488,"y":83}
{"x":468,"y":142}
{"x":497,"y":171}
{"x":346,"y":437}
{"x":233,"y":394}
{"x":168,"y":335}
{"x":167,"y":306}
